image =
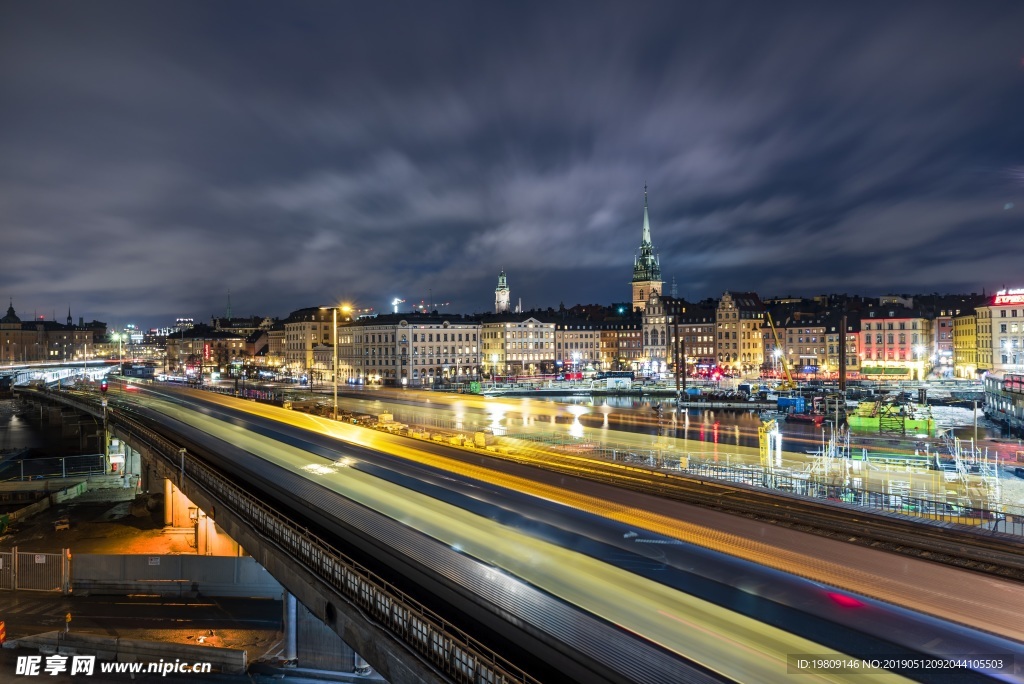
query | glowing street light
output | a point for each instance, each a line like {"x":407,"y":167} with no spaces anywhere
{"x":334,"y":342}
{"x":120,"y":354}
{"x":1011,"y":353}
{"x":919,"y":355}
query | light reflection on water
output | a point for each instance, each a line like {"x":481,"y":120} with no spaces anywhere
{"x":16,"y":432}
{"x":736,"y":427}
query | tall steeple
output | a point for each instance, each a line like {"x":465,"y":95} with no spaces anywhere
{"x":646,"y":268}
{"x":69,"y":316}
{"x":646,"y":240}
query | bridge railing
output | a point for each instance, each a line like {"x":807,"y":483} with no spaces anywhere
{"x":454,"y":652}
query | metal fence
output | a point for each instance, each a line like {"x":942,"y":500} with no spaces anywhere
{"x":81,"y":465}
{"x":35,"y":571}
{"x":1006,"y":518}
{"x":451,"y":650}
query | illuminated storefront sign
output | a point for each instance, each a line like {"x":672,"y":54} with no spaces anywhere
{"x":1005,"y":297}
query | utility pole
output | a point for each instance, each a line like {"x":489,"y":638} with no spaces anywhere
{"x":675,"y":348}
{"x":842,"y":355}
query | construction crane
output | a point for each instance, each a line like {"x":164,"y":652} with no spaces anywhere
{"x":789,"y":384}
{"x":425,"y":306}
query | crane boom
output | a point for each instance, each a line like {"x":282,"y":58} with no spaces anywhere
{"x":789,"y":384}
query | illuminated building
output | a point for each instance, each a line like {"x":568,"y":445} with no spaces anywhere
{"x":646,"y":269}
{"x":1001,"y":332}
{"x":739,"y":340}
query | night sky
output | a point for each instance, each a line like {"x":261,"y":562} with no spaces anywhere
{"x":154,"y":155}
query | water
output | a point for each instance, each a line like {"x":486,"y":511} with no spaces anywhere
{"x":739,"y":427}
{"x":16,"y":432}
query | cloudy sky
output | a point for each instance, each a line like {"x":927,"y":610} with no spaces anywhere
{"x":154,"y":156}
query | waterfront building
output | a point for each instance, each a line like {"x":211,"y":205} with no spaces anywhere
{"x":323,"y":365}
{"x":41,"y":340}
{"x":577,"y":345}
{"x":276,"y":345}
{"x":675,"y":331}
{"x":256,"y":347}
{"x":832,"y":334}
{"x":965,"y":344}
{"x":804,"y":347}
{"x":621,"y":343}
{"x":646,"y":268}
{"x":942,"y":342}
{"x":409,"y":349}
{"x":1004,"y":400}
{"x":304,"y":329}
{"x":519,"y":344}
{"x":200,"y":349}
{"x":660,"y":325}
{"x":244,"y":326}
{"x":739,"y":339}
{"x":895,"y":342}
{"x":697,"y":327}
{"x":1001,"y":332}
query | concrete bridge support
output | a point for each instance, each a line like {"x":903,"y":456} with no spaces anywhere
{"x":343,"y":627}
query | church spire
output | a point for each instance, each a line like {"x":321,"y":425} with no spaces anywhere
{"x":69,"y":315}
{"x":646,"y":269}
{"x":646,"y":240}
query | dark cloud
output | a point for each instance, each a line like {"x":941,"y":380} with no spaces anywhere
{"x":154,"y":156}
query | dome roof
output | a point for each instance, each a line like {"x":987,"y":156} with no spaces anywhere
{"x":10,"y":317}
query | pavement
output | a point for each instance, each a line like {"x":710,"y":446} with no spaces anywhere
{"x":253,"y":625}
{"x":113,"y":519}
{"x":108,"y":518}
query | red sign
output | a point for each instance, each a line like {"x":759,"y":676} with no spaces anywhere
{"x":206,"y":352}
{"x":1004,"y":299}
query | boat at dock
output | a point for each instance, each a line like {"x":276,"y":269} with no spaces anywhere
{"x":814,"y":418}
{"x":870,"y":416}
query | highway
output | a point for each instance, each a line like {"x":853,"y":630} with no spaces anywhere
{"x":627,"y":599}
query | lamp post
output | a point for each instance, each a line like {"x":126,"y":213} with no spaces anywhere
{"x":334,"y":342}
{"x":334,"y":363}
{"x":120,"y":357}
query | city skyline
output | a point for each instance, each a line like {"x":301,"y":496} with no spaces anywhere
{"x":160,"y":156}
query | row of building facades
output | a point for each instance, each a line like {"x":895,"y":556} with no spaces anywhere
{"x":896,"y":337}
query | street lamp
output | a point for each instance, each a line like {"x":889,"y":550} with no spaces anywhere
{"x":120,"y":354}
{"x":334,"y":342}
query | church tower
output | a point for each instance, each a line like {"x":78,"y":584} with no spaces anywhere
{"x":501,"y":295}
{"x":646,"y":269}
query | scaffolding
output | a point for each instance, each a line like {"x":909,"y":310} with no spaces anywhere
{"x":983,"y":490}
{"x":892,"y":416}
